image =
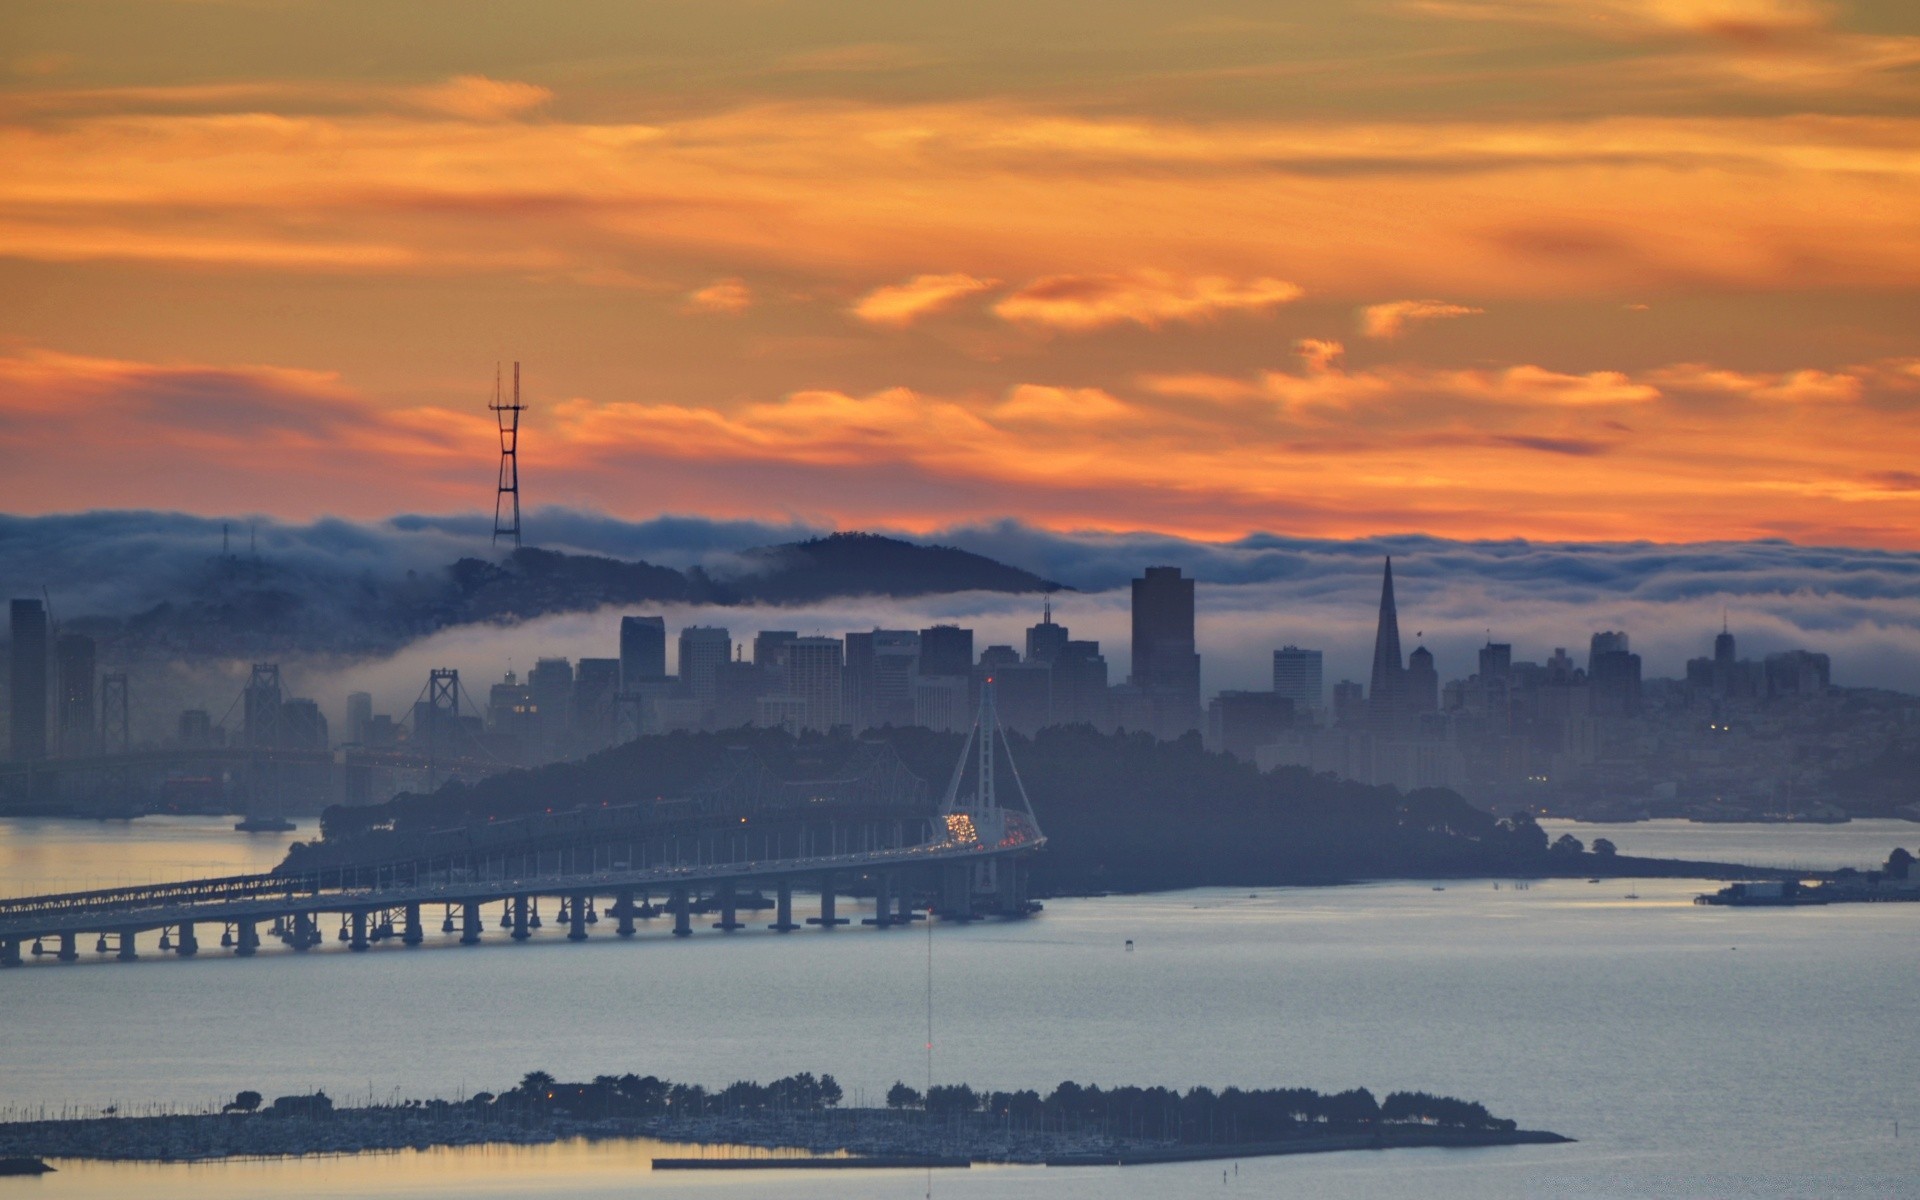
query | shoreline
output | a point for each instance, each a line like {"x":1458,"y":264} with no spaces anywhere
{"x":841,"y":1134}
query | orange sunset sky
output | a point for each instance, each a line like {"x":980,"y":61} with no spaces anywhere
{"x":1585,"y":269}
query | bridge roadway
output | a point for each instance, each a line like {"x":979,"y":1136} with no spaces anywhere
{"x":951,"y":871}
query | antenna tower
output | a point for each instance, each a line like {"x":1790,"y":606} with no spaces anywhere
{"x":506,"y":501}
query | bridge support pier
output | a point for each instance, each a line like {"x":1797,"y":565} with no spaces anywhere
{"x":304,"y":935}
{"x":69,"y":948}
{"x":882,"y":902}
{"x":903,"y":913}
{"x":826,"y":919}
{"x":623,"y":909}
{"x":520,"y":932}
{"x":127,"y":952}
{"x":682,"y":906}
{"x":411,"y":933}
{"x":956,"y":893}
{"x":729,"y":910}
{"x":783,"y":909}
{"x":469,"y":924}
{"x":10,"y":952}
{"x":185,"y":944}
{"x":247,"y":941}
{"x":577,"y":917}
{"x":359,"y":939}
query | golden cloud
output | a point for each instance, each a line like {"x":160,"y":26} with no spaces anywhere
{"x":728,"y":296}
{"x":1523,"y":450}
{"x":1390,"y":320}
{"x":1079,"y":303}
{"x":900,"y":305}
{"x":478,"y":98}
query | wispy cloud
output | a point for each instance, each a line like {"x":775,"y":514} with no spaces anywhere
{"x":728,"y":296}
{"x":1079,"y":303}
{"x":1391,"y":319}
{"x":901,"y":304}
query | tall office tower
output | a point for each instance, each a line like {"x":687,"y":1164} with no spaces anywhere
{"x":27,"y":686}
{"x":1420,"y":684}
{"x":1080,"y":685}
{"x":74,"y":666}
{"x":1496,"y":661}
{"x":815,"y":666}
{"x":643,"y":649}
{"x":1166,"y":666}
{"x":896,"y":664}
{"x":946,"y":650}
{"x":770,"y":649}
{"x":550,"y":690}
{"x":1723,"y":651}
{"x":359,"y":716}
{"x":596,"y":683}
{"x":1297,"y":676}
{"x":856,"y":692}
{"x":1613,"y":676}
{"x":1046,"y":640}
{"x":702,"y":649}
{"x":1605,"y":643}
{"x":1386,"y":689}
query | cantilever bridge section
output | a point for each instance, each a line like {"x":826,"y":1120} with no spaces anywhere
{"x":871,"y":832}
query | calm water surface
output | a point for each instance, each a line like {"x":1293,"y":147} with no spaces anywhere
{"x":1694,"y":1051}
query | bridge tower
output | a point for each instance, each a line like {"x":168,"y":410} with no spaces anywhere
{"x":506,"y":501}
{"x":115,"y":726}
{"x":981,"y":817}
{"x":442,"y":714}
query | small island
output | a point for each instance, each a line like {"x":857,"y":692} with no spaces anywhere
{"x":948,"y":1125}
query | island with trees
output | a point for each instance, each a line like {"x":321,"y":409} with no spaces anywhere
{"x":802,"y":1117}
{"x":1122,"y":812}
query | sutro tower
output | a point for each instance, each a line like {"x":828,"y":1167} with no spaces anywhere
{"x":508,"y":497}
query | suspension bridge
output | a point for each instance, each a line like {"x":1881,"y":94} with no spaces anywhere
{"x":873,"y":832}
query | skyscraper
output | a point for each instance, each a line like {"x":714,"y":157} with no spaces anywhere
{"x":643,"y":649}
{"x":702,"y":649}
{"x":28,"y":681}
{"x":1386,"y":689}
{"x":73,"y":658}
{"x":1298,"y":676}
{"x":1166,"y":666}
{"x":1046,"y":640}
{"x":1420,"y":684}
{"x":814,"y":667}
{"x":946,"y":650}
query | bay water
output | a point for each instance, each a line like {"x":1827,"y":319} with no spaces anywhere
{"x":1693,"y":1051}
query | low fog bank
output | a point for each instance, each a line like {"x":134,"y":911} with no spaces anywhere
{"x":1860,"y":606}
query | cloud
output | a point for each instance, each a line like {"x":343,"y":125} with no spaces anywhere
{"x":478,"y":98}
{"x":1391,"y":319}
{"x":1079,"y":303}
{"x":1686,"y":450}
{"x":1033,"y":403}
{"x":900,"y":305}
{"x":1785,"y":387}
{"x":728,"y":296}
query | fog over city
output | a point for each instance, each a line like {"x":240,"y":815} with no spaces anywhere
{"x":1861,"y":607}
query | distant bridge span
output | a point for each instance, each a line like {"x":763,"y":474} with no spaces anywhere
{"x":963,"y":859}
